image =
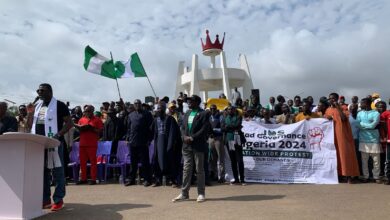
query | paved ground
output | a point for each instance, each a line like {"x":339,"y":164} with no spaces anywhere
{"x":254,"y":201}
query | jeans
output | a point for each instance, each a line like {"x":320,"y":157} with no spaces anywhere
{"x":57,"y":174}
{"x":217,"y":156}
{"x":237,"y":158}
{"x":189,"y":156}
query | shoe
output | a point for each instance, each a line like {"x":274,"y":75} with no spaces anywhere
{"x":129,"y":183}
{"x":350,"y":180}
{"x":156,"y":184}
{"x":81,"y":182}
{"x":57,"y":206}
{"x":201,"y":198}
{"x":364,"y":180}
{"x":46,"y":205}
{"x":208,"y":183}
{"x":221,"y":181}
{"x":386,"y":182}
{"x":146,"y":184}
{"x":243,"y":183}
{"x":379,"y":181}
{"x":234,"y":183}
{"x":92,"y":182}
{"x":180,"y":198}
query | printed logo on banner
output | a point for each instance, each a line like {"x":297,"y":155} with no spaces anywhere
{"x":315,"y":136}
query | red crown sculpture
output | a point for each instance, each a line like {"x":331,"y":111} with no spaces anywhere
{"x":215,"y":45}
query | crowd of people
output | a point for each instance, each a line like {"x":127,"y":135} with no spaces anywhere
{"x":191,"y":137}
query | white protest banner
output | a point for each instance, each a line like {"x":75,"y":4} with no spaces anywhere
{"x":302,"y":152}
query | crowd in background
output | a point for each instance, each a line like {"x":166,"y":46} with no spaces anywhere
{"x":361,"y":133}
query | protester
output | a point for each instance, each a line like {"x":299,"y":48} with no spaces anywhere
{"x":354,"y":100}
{"x":385,"y":127}
{"x":297,"y":105}
{"x":139,"y":137}
{"x":232,"y":128}
{"x":267,"y":119}
{"x":22,"y":120}
{"x":7,"y":123}
{"x":271,"y":105}
{"x":375,"y":97}
{"x":347,"y":164}
{"x":216,"y":146}
{"x":307,"y":114}
{"x":90,"y":128}
{"x":278,"y":107}
{"x":342,"y":103}
{"x":235,"y":96}
{"x":50,"y":117}
{"x":286,"y":117}
{"x":195,"y":129}
{"x":369,"y":143}
{"x":168,"y":145}
{"x":355,"y":126}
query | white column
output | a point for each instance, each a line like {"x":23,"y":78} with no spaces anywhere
{"x":212,"y":58}
{"x":248,"y":84}
{"x":194,"y":88}
{"x":205,"y":96}
{"x":179,"y":86}
{"x":225,"y":77}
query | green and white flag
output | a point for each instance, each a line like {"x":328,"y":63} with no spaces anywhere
{"x":98,"y":64}
{"x":131,"y":68}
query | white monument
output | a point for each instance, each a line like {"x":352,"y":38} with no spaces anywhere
{"x":197,"y":81}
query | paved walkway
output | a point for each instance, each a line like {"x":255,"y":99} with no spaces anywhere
{"x":254,"y":201}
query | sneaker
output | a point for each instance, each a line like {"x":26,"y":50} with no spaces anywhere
{"x":201,"y":198}
{"x":386,"y":182}
{"x":180,"y":198}
{"x":92,"y":182}
{"x":57,"y":206}
{"x":46,"y":205}
{"x":379,"y":181}
{"x":243,"y":183}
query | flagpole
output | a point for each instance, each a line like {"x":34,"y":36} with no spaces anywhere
{"x":151,"y":86}
{"x":117,"y":85}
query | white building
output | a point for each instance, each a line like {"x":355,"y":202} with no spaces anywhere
{"x":200,"y":81}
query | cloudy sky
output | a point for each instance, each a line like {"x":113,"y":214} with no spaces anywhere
{"x":293,"y":46}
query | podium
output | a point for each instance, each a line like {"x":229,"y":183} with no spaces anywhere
{"x":21,"y":174}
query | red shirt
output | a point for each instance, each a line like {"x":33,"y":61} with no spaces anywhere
{"x":385,"y":117}
{"x":90,"y":138}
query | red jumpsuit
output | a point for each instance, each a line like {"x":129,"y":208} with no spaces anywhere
{"x":88,"y":146}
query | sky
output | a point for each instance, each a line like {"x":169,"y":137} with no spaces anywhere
{"x":305,"y":47}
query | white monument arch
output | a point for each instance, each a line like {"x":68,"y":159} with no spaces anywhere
{"x":197,"y":81}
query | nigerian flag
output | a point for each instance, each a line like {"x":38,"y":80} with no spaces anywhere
{"x":131,"y":68}
{"x":98,"y":64}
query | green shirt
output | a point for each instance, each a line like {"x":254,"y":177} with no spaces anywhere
{"x":191,"y":119}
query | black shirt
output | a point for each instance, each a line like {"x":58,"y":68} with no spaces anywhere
{"x":8,"y":124}
{"x":62,"y":111}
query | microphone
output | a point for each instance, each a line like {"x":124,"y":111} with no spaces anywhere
{"x":35,"y":100}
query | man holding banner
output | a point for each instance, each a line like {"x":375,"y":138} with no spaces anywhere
{"x":347,"y":164}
